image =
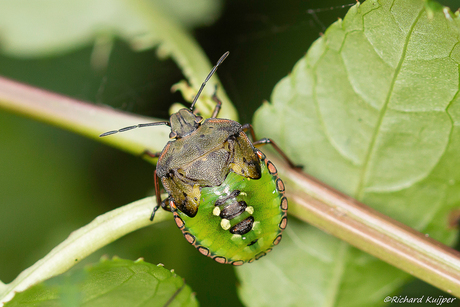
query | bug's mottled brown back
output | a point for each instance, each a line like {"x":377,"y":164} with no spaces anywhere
{"x":195,"y":161}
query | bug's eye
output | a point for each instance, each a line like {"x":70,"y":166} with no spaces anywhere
{"x":172,"y":135}
{"x":198,"y":119}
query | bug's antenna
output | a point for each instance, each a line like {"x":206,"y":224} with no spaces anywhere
{"x":134,"y":127}
{"x":222,"y":58}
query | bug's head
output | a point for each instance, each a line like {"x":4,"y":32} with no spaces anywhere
{"x":183,"y":123}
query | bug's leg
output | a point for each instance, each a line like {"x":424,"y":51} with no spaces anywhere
{"x":155,"y":209}
{"x":265,"y":141}
{"x":247,"y":127}
{"x":166,"y":204}
{"x":150,"y":154}
{"x":157,"y":194}
{"x":218,"y":104}
{"x":172,"y":206}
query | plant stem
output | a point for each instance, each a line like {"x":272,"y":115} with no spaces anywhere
{"x":101,"y":231}
{"x":317,"y":204}
{"x":186,"y":52}
{"x":80,"y":117}
{"x":372,"y":232}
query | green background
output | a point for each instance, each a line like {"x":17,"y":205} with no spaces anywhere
{"x":53,"y":182}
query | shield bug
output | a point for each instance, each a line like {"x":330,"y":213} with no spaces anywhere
{"x":224,"y":193}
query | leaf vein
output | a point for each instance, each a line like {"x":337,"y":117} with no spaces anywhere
{"x":360,"y":188}
{"x":337,"y":275}
{"x":329,"y":138}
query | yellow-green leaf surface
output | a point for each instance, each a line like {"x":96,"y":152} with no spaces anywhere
{"x":114,"y":282}
{"x":68,"y":24}
{"x":373,"y":109}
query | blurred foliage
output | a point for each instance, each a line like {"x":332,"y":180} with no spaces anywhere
{"x":53,"y":181}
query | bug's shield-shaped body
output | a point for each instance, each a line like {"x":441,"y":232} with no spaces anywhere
{"x":225,"y":195}
{"x":204,"y":158}
{"x":240,"y":220}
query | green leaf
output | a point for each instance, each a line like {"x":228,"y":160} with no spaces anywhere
{"x":311,"y":268}
{"x":373,"y":110}
{"x":101,"y":231}
{"x":114,"y":282}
